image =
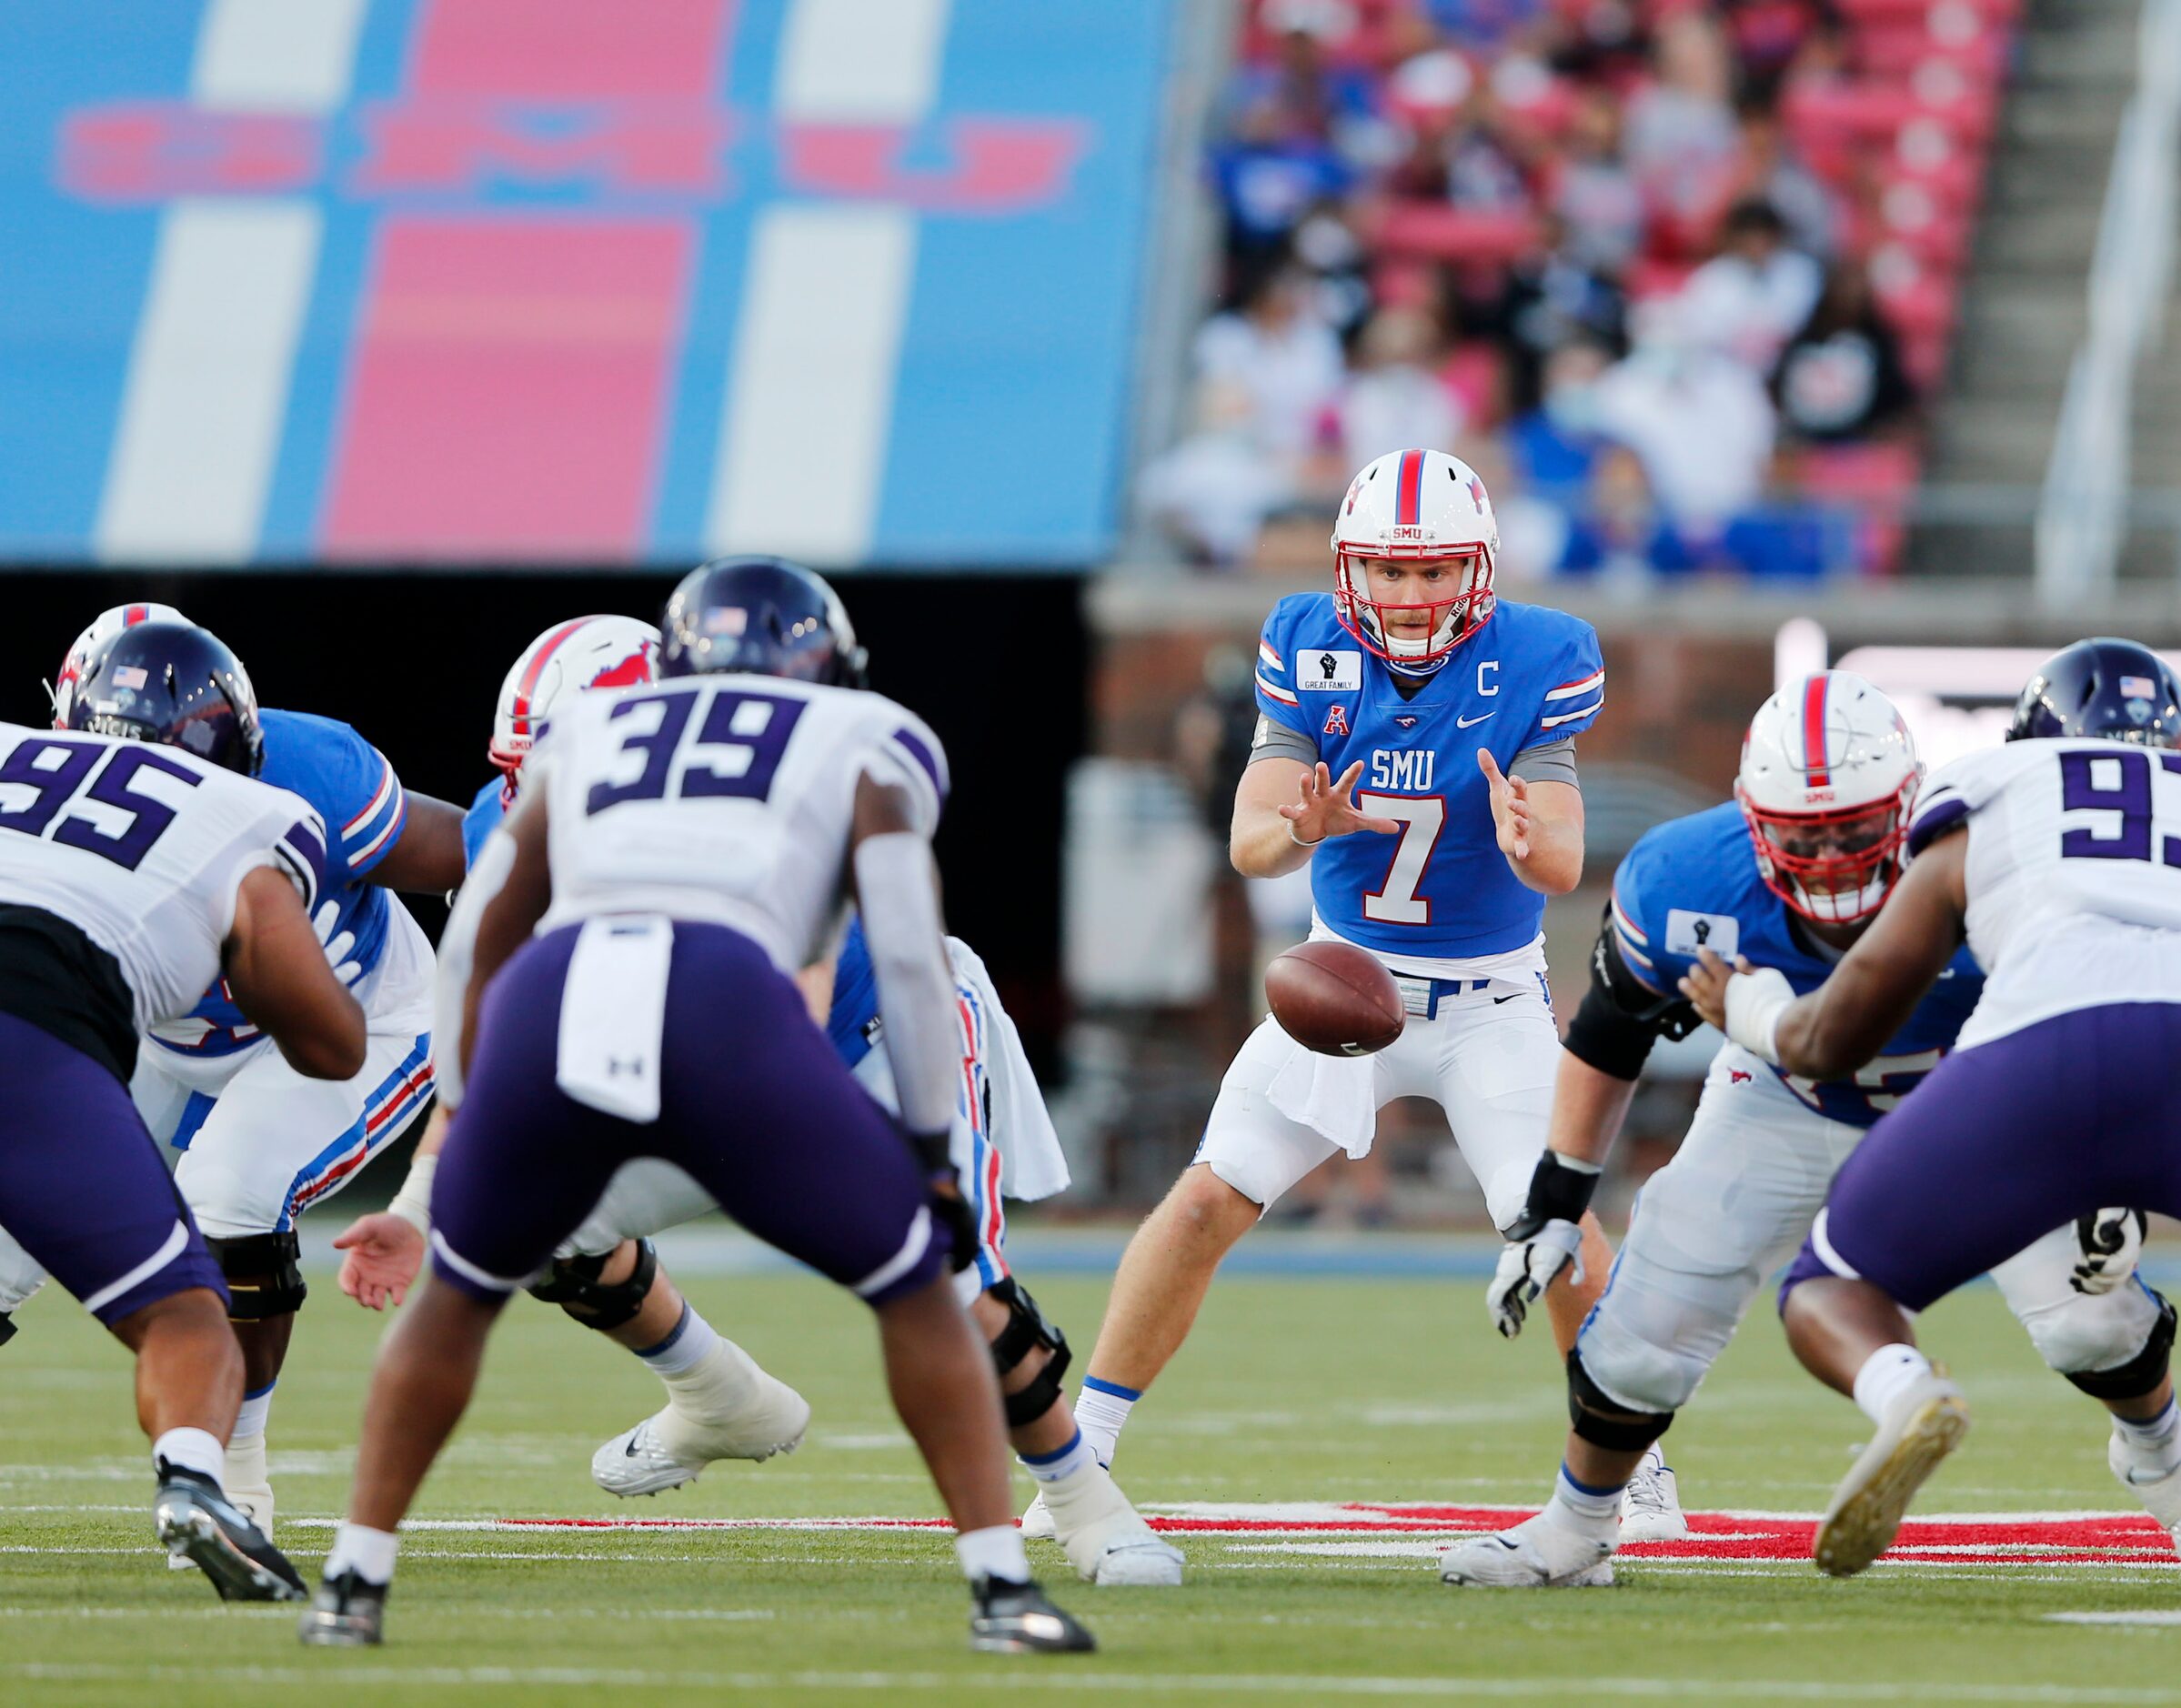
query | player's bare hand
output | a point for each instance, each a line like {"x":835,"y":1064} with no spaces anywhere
{"x":1325,"y":806}
{"x":1704,"y":984}
{"x":382,"y":1254}
{"x":1509,"y":806}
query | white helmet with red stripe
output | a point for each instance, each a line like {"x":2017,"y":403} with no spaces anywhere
{"x":103,"y":629}
{"x":1828,"y":774}
{"x":1415,"y":505}
{"x":584,"y":652}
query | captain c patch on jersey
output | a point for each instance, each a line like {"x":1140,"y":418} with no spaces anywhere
{"x":1331,"y":670}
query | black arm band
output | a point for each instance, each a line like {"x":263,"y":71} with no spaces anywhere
{"x":1621,"y":1017}
{"x":1559,"y":1191}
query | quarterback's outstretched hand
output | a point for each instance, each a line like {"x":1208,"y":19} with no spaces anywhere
{"x":384,"y":1253}
{"x":1509,"y":806}
{"x":1325,"y":808}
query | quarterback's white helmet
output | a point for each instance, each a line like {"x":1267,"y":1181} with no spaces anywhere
{"x":1416,"y":504}
{"x":103,"y":629}
{"x":1828,"y":774}
{"x":584,"y":652}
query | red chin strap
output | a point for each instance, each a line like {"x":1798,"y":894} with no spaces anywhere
{"x":1474,"y":604}
{"x":1839,"y":878}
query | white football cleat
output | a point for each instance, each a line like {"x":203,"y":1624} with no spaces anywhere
{"x":670,"y":1448}
{"x":2161,"y":1495}
{"x":1037,"y":1520}
{"x":1537,"y":1554}
{"x":1650,"y":1503}
{"x":1925,"y":1424}
{"x":1105,"y":1538}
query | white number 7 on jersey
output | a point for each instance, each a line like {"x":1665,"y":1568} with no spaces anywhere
{"x":1423,"y":817}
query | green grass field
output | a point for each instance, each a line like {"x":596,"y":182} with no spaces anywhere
{"x":1293,"y":1390}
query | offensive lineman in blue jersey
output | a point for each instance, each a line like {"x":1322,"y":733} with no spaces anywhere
{"x":1455,"y":712}
{"x":260,"y":1141}
{"x":720,"y":1403}
{"x":1790,"y":875}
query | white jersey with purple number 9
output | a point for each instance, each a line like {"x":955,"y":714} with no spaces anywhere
{"x":2073,"y":863}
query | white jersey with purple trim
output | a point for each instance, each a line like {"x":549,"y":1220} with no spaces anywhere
{"x":2073,"y":875}
{"x":725,"y":799}
{"x":142,"y":848}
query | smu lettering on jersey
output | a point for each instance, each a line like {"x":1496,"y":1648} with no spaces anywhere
{"x":727,"y":798}
{"x":354,"y":789}
{"x":142,"y":848}
{"x":1692,"y":883}
{"x":1441,"y":889}
{"x":2073,"y":873}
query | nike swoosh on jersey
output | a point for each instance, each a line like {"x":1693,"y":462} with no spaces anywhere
{"x":1463,"y":723}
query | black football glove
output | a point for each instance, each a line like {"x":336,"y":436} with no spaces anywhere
{"x":949,"y":1208}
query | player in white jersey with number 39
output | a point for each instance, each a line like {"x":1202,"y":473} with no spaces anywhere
{"x":617,"y":982}
{"x":2058,"y":858}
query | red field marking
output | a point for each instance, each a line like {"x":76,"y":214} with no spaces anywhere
{"x":2083,"y":1539}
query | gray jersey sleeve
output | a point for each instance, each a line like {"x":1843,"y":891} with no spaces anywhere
{"x":1276,"y":741}
{"x":1548,"y":762}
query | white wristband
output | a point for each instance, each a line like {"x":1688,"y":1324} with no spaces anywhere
{"x":1755,"y":1003}
{"x":413,"y":1203}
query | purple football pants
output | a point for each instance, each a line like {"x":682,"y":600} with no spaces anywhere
{"x":754,"y":1103}
{"x":2001,"y":1144}
{"x":81,"y":1187}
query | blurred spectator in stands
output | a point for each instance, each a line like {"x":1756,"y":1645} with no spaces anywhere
{"x":1593,"y":194}
{"x":1277,"y":347}
{"x":1489,"y":26}
{"x":1767,"y":35}
{"x":1397,"y":397}
{"x":1769,"y":169}
{"x":1679,"y":131}
{"x":1461,"y":155}
{"x":1315,"y":97}
{"x":1840,"y":377}
{"x":1619,"y":534}
{"x":1549,"y":298}
{"x":1699,"y":420}
{"x":1749,"y":299}
{"x":1553,"y":447}
{"x":1211,"y":492}
{"x":1269,"y":176}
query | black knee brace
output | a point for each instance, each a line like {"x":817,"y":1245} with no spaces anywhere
{"x":7,"y":1328}
{"x":264,"y":1279}
{"x":1027,"y":1330}
{"x":2141,"y":1374}
{"x":573,"y":1284}
{"x":1603,"y":1422}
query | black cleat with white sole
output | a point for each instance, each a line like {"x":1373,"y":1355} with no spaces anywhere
{"x":347,"y":1612}
{"x":1016,"y":1619}
{"x":196,"y":1523}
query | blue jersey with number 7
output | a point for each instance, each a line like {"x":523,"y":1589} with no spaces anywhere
{"x":1441,"y":889}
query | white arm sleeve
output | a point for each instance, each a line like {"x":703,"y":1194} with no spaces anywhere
{"x":458,"y":946}
{"x":899,"y":902}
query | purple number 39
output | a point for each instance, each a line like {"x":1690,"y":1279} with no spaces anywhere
{"x":737,"y":748}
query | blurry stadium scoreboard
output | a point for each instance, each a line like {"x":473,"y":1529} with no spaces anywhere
{"x":535,"y":280}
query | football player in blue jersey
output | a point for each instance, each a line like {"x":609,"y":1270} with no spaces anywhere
{"x":1788,"y":875}
{"x":1416,"y":750}
{"x":259,"y":1140}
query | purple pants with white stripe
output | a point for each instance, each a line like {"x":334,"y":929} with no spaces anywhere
{"x":754,"y":1104}
{"x":2002,"y":1144}
{"x":81,"y":1188}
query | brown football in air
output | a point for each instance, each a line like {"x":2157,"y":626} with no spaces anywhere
{"x":1334,"y":998}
